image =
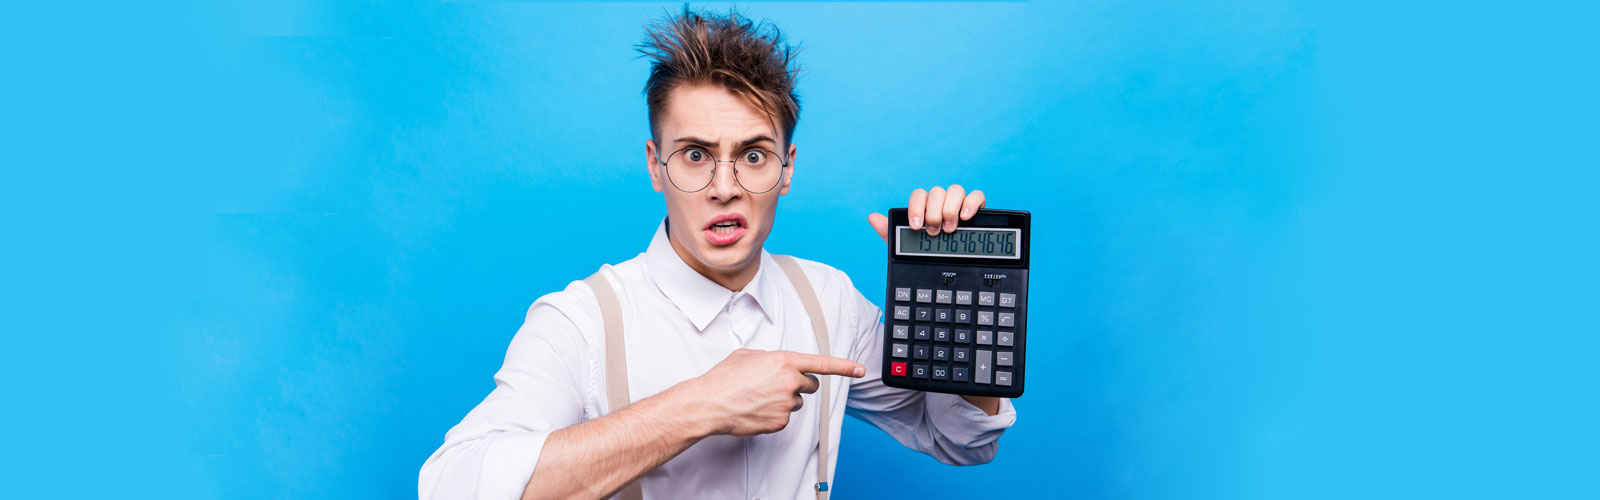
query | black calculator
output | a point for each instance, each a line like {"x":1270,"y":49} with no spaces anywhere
{"x":956,"y":314}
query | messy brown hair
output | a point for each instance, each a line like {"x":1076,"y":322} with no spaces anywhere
{"x":747,"y":58}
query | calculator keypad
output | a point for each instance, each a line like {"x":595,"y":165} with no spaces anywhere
{"x":962,"y":336}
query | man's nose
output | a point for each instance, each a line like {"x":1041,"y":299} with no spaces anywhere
{"x":724,"y":183}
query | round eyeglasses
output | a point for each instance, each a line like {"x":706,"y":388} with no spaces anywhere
{"x":756,"y":170}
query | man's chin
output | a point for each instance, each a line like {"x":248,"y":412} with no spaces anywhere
{"x":727,"y":258}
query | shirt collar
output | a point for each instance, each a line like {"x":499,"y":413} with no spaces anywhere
{"x":696,"y":295}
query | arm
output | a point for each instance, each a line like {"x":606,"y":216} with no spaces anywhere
{"x":940,"y":209}
{"x":947,"y":427}
{"x":896,"y":411}
{"x":594,"y":459}
{"x":750,"y":392}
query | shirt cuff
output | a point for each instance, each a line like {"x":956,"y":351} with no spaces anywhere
{"x":508,"y":463}
{"x":965,"y":424}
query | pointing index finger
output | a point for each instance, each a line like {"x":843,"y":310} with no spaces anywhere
{"x":826,"y":365}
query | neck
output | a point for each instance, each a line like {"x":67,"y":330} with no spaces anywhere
{"x":733,"y":279}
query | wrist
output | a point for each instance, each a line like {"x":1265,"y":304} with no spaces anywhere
{"x":989,"y":405}
{"x":691,"y":412}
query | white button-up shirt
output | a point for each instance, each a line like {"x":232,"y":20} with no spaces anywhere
{"x":678,"y":325}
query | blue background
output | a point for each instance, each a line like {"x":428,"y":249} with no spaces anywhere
{"x":1282,"y":249}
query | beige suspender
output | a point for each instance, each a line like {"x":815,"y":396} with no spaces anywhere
{"x":819,"y":325}
{"x":617,"y":363}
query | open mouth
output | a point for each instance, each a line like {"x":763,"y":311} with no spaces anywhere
{"x":725,"y":229}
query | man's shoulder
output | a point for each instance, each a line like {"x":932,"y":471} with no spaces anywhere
{"x":828,"y":281}
{"x":577,"y":301}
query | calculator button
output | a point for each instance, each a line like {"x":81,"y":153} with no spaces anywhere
{"x":902,"y":295}
{"x":919,"y":371}
{"x":964,"y":298}
{"x":985,"y":318}
{"x":1002,"y":358}
{"x":958,"y":374}
{"x":924,"y":295}
{"x":961,"y":355}
{"x":1008,"y":300}
{"x":986,"y":299}
{"x":900,"y":351}
{"x":902,"y":313}
{"x":963,"y":336}
{"x":941,"y":373}
{"x":1004,"y":339}
{"x":985,"y":337}
{"x":941,"y":334}
{"x":897,"y":369}
{"x":919,"y":351}
{"x":1006,"y":319}
{"x":941,"y":296}
{"x":900,"y":332}
{"x":922,"y":332}
{"x":941,"y":315}
{"x":1002,"y":378}
{"x":941,"y":354}
{"x":964,"y":316}
{"x":924,"y":314}
{"x":980,"y":373}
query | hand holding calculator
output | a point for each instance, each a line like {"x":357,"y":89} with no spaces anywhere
{"x":957,"y":305}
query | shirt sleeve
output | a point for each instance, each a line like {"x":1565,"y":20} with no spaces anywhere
{"x":542,"y":387}
{"x":944,"y":426}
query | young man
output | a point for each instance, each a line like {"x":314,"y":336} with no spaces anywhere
{"x":722,"y":367}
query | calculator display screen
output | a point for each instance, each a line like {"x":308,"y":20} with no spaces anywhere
{"x":983,"y":243}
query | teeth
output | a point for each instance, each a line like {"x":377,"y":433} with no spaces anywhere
{"x":725,"y":227}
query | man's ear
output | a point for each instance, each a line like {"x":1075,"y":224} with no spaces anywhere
{"x":650,"y":155}
{"x":784,"y":189}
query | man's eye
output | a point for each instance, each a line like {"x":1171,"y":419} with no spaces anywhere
{"x":754,"y":157}
{"x":695,"y":155}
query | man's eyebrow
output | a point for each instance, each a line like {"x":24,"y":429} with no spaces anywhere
{"x":708,"y":144}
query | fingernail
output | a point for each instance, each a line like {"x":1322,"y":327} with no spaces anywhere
{"x":916,"y":223}
{"x":966,"y":214}
{"x":949,"y":226}
{"x":860,"y":371}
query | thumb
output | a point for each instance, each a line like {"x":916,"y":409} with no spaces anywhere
{"x":881,"y":224}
